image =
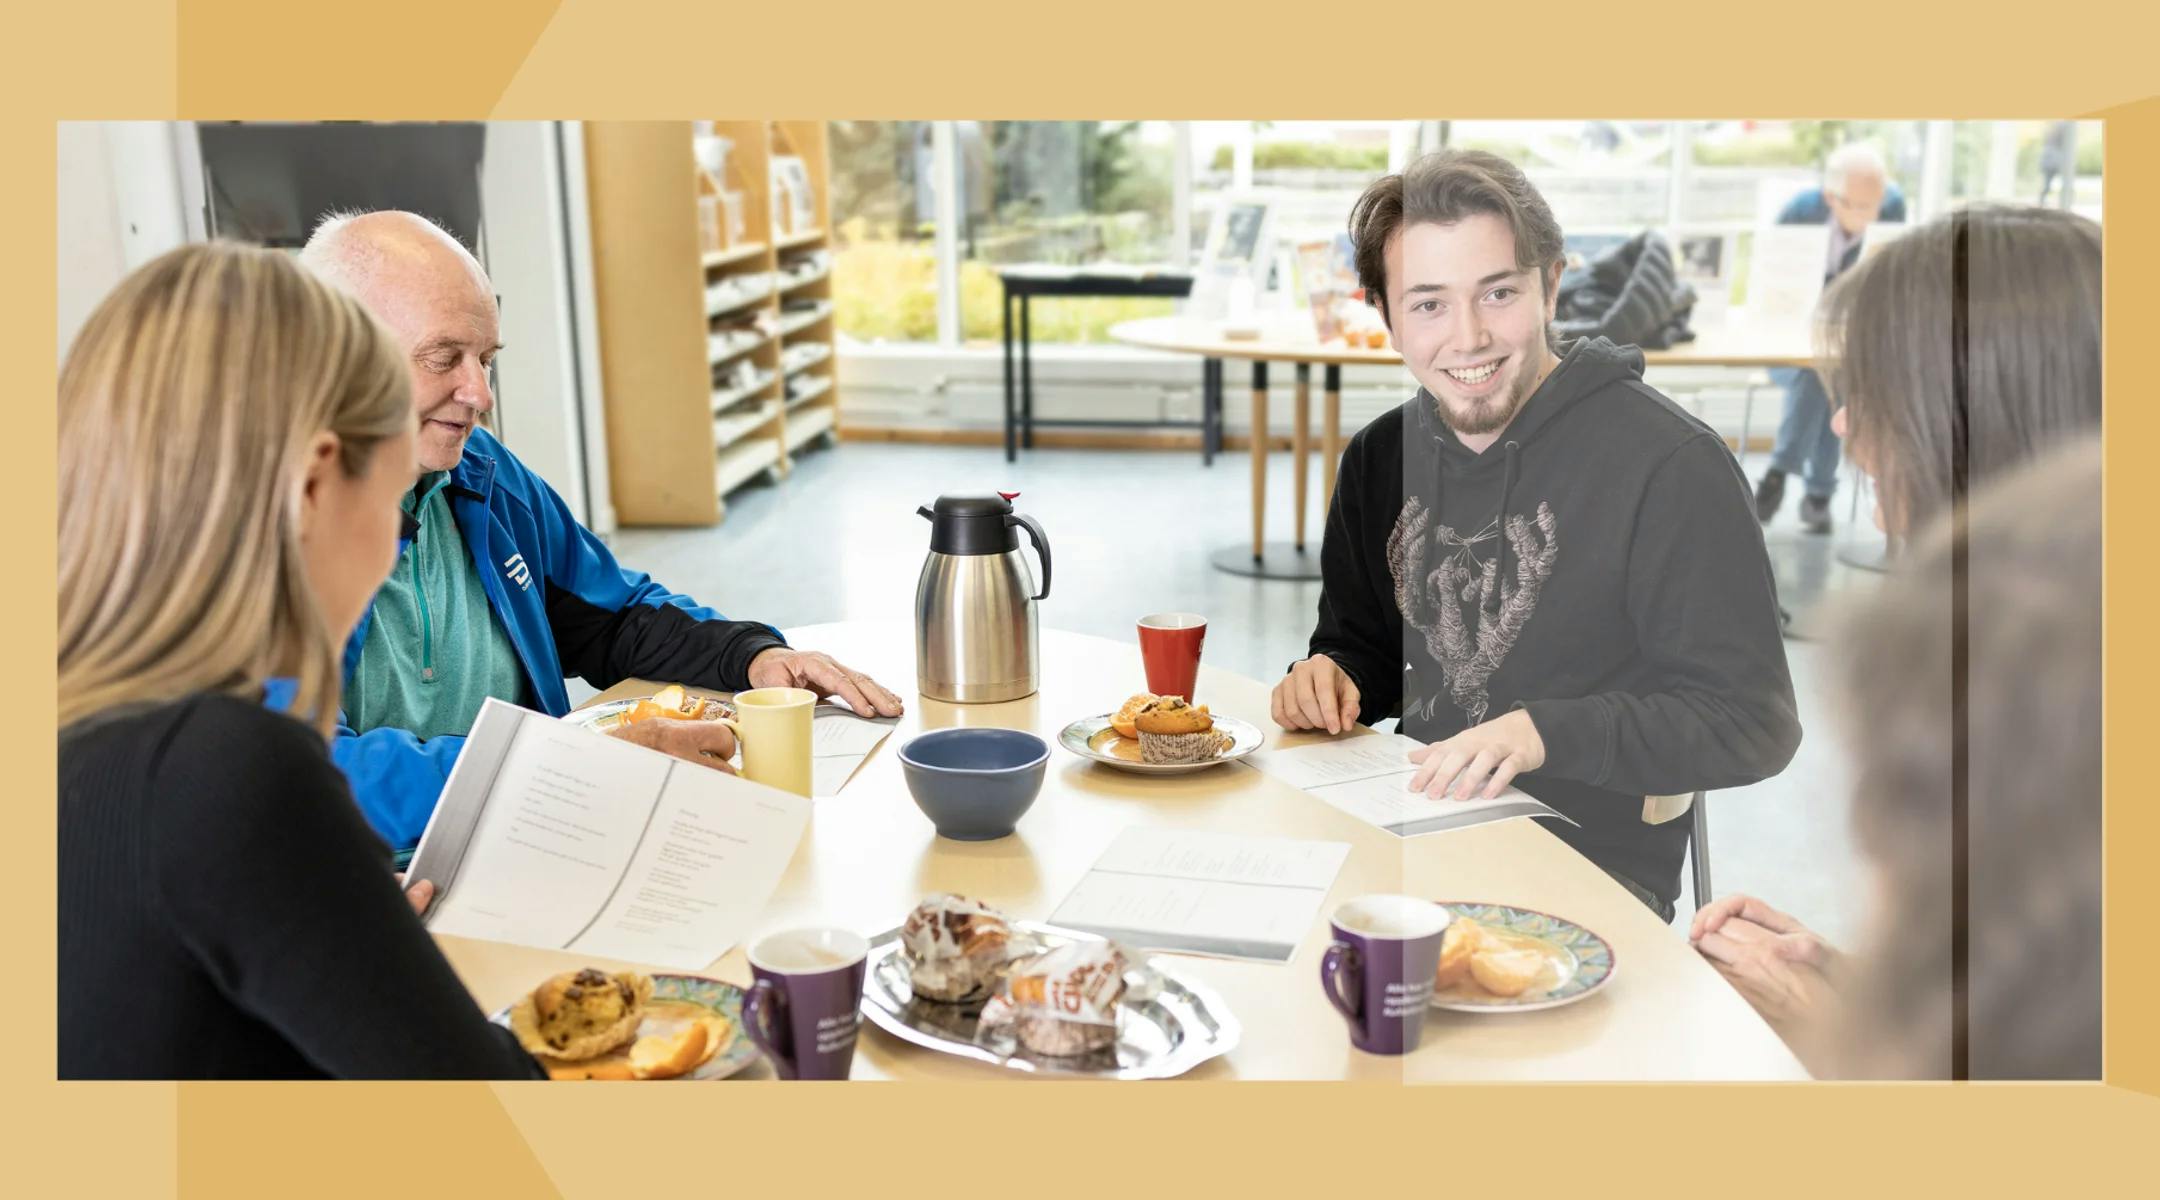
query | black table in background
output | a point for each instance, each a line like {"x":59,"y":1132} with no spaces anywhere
{"x":1023,"y":284}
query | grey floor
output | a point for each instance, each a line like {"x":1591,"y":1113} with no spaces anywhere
{"x":841,"y":541}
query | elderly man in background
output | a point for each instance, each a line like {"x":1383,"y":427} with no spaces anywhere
{"x":498,"y":591}
{"x":1855,"y":193}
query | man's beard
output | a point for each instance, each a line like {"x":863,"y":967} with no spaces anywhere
{"x":1491,"y":414}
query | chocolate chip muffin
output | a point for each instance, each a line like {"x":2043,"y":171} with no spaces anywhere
{"x":581,"y":1014}
{"x":1172,"y":731}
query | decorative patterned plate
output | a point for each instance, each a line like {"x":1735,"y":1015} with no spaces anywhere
{"x":1093,"y":738}
{"x":678,"y":999}
{"x":600,"y":718}
{"x":1578,"y":962}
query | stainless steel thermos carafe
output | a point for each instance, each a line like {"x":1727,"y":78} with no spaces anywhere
{"x":975,"y":601}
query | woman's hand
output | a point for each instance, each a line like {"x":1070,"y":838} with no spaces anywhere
{"x":1783,"y":968}
{"x":419,"y":895}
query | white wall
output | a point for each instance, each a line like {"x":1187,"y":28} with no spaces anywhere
{"x":119,"y":206}
{"x":521,"y":204}
{"x":90,"y":252}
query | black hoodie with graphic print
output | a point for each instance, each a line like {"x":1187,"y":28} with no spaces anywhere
{"x":1600,"y":566}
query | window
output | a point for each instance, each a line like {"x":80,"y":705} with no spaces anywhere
{"x":884,"y":231}
{"x":1600,"y":177}
{"x":1308,"y":172}
{"x":1072,"y":192}
{"x":1084,"y":192}
{"x":1740,"y":173}
{"x":2002,"y":161}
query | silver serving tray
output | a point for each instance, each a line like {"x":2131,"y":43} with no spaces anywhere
{"x":1184,"y":1025}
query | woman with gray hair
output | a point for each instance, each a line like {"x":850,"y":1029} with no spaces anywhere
{"x":1960,"y":355}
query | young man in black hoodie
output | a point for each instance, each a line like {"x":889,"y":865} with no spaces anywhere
{"x":1552,"y":571}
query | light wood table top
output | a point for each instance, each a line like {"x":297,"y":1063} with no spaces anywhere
{"x":1291,"y":340}
{"x":870,"y":856}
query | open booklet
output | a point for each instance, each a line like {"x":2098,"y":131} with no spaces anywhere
{"x":1369,"y":778}
{"x":548,"y":835}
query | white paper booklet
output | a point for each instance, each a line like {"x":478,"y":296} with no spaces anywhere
{"x":1205,"y":893}
{"x":1369,"y":778}
{"x":549,"y":835}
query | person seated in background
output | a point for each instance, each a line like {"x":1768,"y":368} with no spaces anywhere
{"x":1856,"y":192}
{"x":2034,"y":372}
{"x":233,"y":439}
{"x":498,"y":591}
{"x":1563,"y":558}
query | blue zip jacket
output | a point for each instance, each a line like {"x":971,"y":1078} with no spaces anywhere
{"x":569,"y":609}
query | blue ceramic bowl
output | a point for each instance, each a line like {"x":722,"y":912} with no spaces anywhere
{"x":974,"y":784}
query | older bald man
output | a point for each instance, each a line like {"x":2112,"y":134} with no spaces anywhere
{"x":498,"y":591}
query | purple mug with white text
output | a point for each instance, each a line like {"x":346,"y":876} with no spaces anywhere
{"x":1378,"y":972}
{"x":805,"y":1006}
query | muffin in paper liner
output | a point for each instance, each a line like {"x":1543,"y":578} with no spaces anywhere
{"x":1184,"y":747}
{"x":957,"y":949}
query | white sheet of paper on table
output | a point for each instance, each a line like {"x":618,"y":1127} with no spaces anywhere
{"x":839,"y":742}
{"x":1369,"y":778}
{"x":1193,"y":892}
{"x":1338,"y":760}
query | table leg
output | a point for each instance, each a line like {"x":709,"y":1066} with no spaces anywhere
{"x":1301,"y":449}
{"x":1259,"y":460}
{"x":1027,"y":376}
{"x":1010,"y":415}
{"x":1213,"y":433}
{"x":1330,"y":438}
{"x":1207,"y":431}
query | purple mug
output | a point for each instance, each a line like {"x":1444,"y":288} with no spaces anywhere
{"x":1379,"y":971}
{"x":806,"y":1002}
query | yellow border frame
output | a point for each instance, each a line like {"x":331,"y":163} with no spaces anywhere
{"x":1112,"y":58}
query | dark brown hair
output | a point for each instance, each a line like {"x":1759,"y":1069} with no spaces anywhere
{"x":2031,"y":279}
{"x":1444,"y":187}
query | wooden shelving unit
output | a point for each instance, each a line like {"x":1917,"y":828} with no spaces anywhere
{"x":683,"y":430}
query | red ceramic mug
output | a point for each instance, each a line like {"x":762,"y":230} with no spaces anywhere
{"x":1170,"y":649}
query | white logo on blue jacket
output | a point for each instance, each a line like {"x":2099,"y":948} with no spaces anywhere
{"x":520,"y":574}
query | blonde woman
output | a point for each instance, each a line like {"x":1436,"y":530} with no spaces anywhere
{"x":234,"y":438}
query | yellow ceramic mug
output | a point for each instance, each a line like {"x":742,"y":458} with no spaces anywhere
{"x":773,"y":725}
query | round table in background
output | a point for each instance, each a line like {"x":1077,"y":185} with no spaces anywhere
{"x":1290,"y":340}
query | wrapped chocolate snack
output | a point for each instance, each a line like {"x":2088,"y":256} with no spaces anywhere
{"x":1064,"y":1001}
{"x":957,"y":949}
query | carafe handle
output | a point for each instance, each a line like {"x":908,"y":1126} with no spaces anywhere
{"x":1042,"y":547}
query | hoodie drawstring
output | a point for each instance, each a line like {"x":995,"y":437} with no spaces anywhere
{"x":1507,"y":486}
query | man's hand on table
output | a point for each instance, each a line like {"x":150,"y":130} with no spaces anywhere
{"x":1316,"y":694}
{"x":1481,"y":761}
{"x":707,"y":743}
{"x":1783,"y":968}
{"x":783,"y":666}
